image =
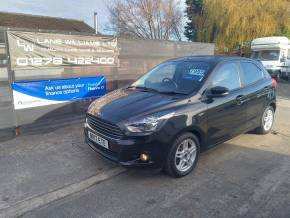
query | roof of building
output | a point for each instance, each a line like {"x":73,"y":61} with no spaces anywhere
{"x":210,"y":58}
{"x":18,"y":20}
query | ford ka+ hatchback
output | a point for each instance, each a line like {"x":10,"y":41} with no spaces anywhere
{"x":179,"y":108}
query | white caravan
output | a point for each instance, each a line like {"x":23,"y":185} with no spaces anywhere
{"x":274,"y":53}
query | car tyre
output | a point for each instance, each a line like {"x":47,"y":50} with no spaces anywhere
{"x":267,"y":121}
{"x":184,"y":151}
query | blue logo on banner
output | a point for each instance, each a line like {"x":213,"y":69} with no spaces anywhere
{"x":63,"y":90}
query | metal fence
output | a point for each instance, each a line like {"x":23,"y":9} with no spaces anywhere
{"x":135,"y":58}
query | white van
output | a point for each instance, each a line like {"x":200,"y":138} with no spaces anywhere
{"x":274,"y":53}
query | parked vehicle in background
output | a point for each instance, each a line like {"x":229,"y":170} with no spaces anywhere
{"x":179,"y":108}
{"x":274,"y":53}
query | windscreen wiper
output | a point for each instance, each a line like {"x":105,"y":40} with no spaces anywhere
{"x":155,"y":90}
{"x":173,"y":93}
{"x":143,"y":88}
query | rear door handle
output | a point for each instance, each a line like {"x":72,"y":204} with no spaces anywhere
{"x":267,"y":88}
{"x":263,"y":92}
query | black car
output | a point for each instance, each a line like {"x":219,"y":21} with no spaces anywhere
{"x":180,"y":108}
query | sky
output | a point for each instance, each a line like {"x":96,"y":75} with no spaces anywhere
{"x":74,"y":9}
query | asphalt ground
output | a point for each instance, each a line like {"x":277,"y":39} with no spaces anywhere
{"x":248,"y":176}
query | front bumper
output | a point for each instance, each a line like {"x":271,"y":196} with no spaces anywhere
{"x":127,"y":151}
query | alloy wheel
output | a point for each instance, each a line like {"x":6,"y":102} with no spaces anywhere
{"x":268,"y":119}
{"x":185,"y":155}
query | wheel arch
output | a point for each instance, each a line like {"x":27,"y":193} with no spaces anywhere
{"x":273,"y":105}
{"x":199,"y":133}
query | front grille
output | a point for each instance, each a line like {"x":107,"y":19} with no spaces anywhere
{"x":104,"y":127}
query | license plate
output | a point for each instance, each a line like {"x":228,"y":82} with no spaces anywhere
{"x":99,"y":140}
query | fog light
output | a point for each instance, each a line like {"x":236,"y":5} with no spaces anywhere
{"x":144,"y":157}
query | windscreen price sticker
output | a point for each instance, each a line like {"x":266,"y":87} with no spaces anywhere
{"x":196,"y":74}
{"x":57,"y":61}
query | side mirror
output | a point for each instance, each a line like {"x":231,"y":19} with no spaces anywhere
{"x":217,"y":91}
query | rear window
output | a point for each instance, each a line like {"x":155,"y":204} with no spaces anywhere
{"x":251,"y":73}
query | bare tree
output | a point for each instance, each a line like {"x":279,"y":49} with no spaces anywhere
{"x":151,"y":19}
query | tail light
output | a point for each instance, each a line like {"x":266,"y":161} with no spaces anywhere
{"x":274,"y":83}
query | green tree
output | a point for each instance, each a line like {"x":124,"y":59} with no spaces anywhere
{"x":231,"y":23}
{"x":193,"y":11}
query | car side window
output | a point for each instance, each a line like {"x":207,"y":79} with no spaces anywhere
{"x":251,"y":73}
{"x":227,"y":76}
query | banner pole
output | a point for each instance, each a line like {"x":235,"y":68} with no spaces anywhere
{"x":11,"y":79}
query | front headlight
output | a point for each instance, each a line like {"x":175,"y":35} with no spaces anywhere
{"x":148,"y":124}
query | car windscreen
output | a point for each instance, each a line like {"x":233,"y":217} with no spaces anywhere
{"x":266,"y":55}
{"x":181,"y":77}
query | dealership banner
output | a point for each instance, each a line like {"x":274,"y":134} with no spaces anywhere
{"x":32,"y":50}
{"x":48,"y":92}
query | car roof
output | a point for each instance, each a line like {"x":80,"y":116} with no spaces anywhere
{"x":213,"y":59}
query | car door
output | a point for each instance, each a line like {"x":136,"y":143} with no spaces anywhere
{"x":225,"y":115}
{"x":256,"y":91}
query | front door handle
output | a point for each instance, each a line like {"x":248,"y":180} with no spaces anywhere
{"x":240,"y":99}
